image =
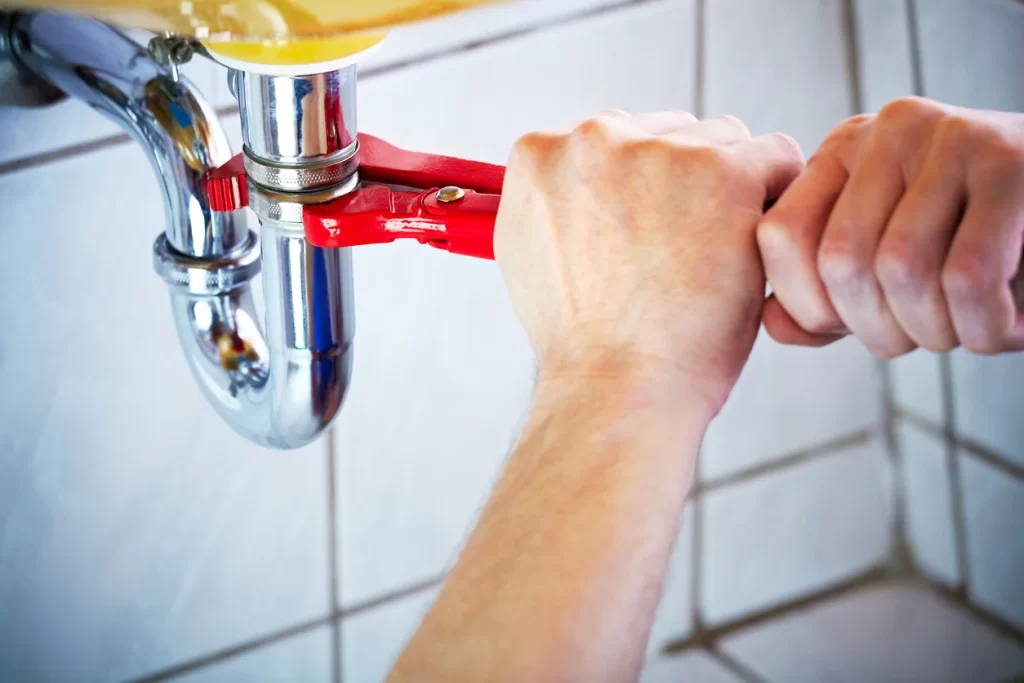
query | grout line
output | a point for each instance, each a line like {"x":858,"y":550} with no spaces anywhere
{"x":735,"y":666}
{"x":975,"y":449}
{"x":956,"y":488}
{"x":81,"y":149}
{"x":712,"y":636}
{"x":333,"y":569}
{"x":849,"y":23}
{"x":902,"y":557}
{"x":787,"y":461}
{"x":1004,"y":627}
{"x":696,"y":559}
{"x":988,"y":457}
{"x":25,"y":163}
{"x":234,"y":651}
{"x":393,"y":596}
{"x":916,"y":69}
{"x":334,"y":617}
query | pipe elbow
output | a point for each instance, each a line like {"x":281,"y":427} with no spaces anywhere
{"x":279,"y":384}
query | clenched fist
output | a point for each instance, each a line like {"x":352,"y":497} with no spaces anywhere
{"x":628,"y":245}
{"x":906,"y":230}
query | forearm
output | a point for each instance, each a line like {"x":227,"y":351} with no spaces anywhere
{"x":563,"y":574}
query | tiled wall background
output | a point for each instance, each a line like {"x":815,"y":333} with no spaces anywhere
{"x":140,"y":539}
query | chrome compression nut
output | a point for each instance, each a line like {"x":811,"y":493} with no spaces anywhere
{"x":207,"y":277}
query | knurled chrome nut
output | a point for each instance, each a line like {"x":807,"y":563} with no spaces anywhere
{"x":286,"y":207}
{"x":200,"y":276}
{"x":302,"y":178}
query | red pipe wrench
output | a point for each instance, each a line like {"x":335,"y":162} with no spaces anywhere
{"x":440,"y":201}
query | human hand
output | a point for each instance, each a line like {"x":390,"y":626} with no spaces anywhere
{"x":906,"y":229}
{"x":628,"y":245}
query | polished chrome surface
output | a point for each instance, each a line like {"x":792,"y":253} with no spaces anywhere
{"x":287,"y":206}
{"x":297,"y":120}
{"x":313,"y":176}
{"x":280,"y":390}
{"x":174,"y":124}
{"x":207,"y":276}
{"x":284,"y":389}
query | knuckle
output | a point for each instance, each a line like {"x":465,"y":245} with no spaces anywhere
{"x":734,"y":122}
{"x":851,"y":126}
{"x":1002,"y":160}
{"x":894,"y":349}
{"x":788,"y":141}
{"x":844,"y":138}
{"x":594,"y":129}
{"x":645,"y":150}
{"x":774,"y":236}
{"x":905,"y":112}
{"x":712,"y":158}
{"x":938,"y":346}
{"x":534,"y":151}
{"x":839,"y":265}
{"x":683,"y":115}
{"x":964,"y":277}
{"x":537,"y":143}
{"x":900,"y":266}
{"x":982,"y":344}
{"x":816,"y":318}
{"x":955,"y":130}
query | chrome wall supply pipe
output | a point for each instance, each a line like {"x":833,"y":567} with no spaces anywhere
{"x":283,"y":387}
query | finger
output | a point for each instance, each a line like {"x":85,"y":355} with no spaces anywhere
{"x":1016,"y":342}
{"x":846,"y":254}
{"x":778,"y":161}
{"x":783,"y":329}
{"x":721,"y":130}
{"x":614,"y":114}
{"x":914,"y":247}
{"x":788,"y":238}
{"x":984,"y":259}
{"x":663,"y":122}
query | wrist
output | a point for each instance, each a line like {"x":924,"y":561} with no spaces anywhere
{"x":628,"y":383}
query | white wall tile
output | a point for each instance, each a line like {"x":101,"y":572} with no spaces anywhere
{"x":372,"y":641}
{"x":305,"y":657}
{"x":878,"y":635}
{"x":443,"y":371}
{"x":929,"y":506}
{"x":29,"y":132}
{"x":994,"y":521}
{"x":971,"y":52}
{"x":917,"y":385}
{"x":883,"y":51}
{"x":790,"y":400}
{"x":409,"y":43}
{"x":794,"y":531}
{"x":697,"y":666}
{"x":138,"y":531}
{"x":988,"y":396}
{"x":674,"y":619}
{"x":779,"y":65}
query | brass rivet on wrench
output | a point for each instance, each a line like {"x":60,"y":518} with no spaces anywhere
{"x":450,"y":194}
